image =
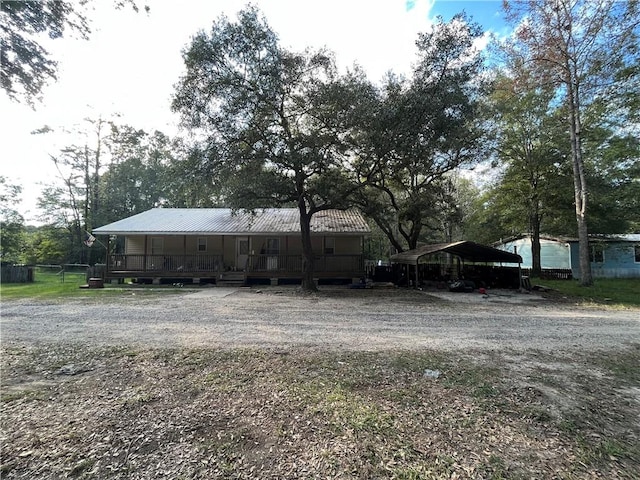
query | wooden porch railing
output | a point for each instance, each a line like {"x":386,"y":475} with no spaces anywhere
{"x":164,"y":263}
{"x":140,"y":263}
{"x":293,"y":263}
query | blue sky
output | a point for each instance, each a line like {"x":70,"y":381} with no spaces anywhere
{"x":488,"y":13}
{"x":132,"y":62}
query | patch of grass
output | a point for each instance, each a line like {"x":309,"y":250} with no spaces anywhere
{"x":24,"y":394}
{"x":622,"y":365}
{"x":46,"y":285}
{"x":602,"y":451}
{"x":51,"y":285}
{"x":610,"y":291}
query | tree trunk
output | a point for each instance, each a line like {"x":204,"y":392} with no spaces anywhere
{"x":579,"y":184}
{"x":536,"y":263}
{"x":308,"y":284}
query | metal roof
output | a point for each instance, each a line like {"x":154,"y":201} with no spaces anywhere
{"x":223,"y":221}
{"x":621,"y":237}
{"x":470,"y":251}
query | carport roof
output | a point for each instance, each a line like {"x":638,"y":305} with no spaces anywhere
{"x":469,"y":251}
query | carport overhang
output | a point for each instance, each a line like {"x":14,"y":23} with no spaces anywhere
{"x":465,"y":250}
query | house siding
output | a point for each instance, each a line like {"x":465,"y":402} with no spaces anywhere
{"x":619,"y":256}
{"x":619,"y":261}
{"x":553,"y":254}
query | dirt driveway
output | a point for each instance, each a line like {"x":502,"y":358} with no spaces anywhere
{"x":335,"y":318}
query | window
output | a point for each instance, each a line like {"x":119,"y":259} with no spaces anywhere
{"x":157,"y":245}
{"x":243,"y":246}
{"x":636,"y":253}
{"x":329,"y":245}
{"x":202,"y":244}
{"x":272,"y":246}
{"x":596,"y":253}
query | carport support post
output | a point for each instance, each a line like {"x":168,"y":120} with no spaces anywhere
{"x":515,"y":250}
{"x":416,"y":285}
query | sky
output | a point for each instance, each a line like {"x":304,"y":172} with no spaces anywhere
{"x":132,"y":61}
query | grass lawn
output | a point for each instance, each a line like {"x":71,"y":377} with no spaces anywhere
{"x":610,"y":291}
{"x":49,"y":284}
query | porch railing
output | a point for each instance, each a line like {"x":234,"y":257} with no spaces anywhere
{"x":293,"y":263}
{"x":264,"y":263}
{"x":165,"y":263}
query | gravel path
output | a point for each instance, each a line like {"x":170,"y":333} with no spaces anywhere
{"x":336,"y":318}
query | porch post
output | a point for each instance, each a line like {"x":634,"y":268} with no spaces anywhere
{"x":144,"y":260}
{"x":108,"y":259}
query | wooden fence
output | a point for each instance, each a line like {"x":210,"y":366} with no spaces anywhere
{"x":16,"y":274}
{"x":551,"y":273}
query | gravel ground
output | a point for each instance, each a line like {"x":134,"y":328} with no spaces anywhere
{"x":335,"y":318}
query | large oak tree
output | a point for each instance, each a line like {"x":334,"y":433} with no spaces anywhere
{"x":273,"y":124}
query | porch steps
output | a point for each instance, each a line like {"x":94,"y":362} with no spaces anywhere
{"x":231,"y":279}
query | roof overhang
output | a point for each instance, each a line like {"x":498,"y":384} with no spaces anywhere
{"x":468,"y":251}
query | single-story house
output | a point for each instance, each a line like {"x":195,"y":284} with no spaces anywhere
{"x":220,"y":245}
{"x":612,"y":256}
{"x":460,"y":260}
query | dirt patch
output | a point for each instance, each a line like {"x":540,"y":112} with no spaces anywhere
{"x":300,"y":414}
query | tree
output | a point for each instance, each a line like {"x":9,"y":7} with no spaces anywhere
{"x":25,"y":64}
{"x":11,"y":222}
{"x":189,"y":178}
{"x":49,"y":245}
{"x":613,"y":166}
{"x":75,"y":205}
{"x":275,"y":124}
{"x":139,"y":177}
{"x":420,"y":130}
{"x":109,"y":172}
{"x":527,"y":127}
{"x":586,"y":49}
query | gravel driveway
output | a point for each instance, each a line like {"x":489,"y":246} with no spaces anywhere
{"x":335,"y":318}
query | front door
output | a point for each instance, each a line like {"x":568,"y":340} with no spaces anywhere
{"x":242,"y":252}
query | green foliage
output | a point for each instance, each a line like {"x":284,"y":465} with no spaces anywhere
{"x":137,"y":177}
{"x":589,"y":52}
{"x":26,"y":64}
{"x":11,"y":222}
{"x":48,"y":245}
{"x":416,"y":131}
{"x":613,"y":168}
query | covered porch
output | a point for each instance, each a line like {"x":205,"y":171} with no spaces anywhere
{"x":256,"y":266}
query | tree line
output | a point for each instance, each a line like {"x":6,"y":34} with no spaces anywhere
{"x":550,"y":118}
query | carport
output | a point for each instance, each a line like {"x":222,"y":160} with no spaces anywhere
{"x":465,"y":251}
